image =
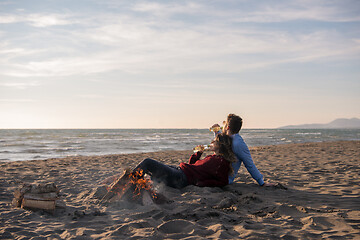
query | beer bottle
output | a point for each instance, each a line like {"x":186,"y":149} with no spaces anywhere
{"x":201,"y":148}
{"x":216,"y":129}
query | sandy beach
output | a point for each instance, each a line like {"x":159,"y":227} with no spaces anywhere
{"x":318,"y":198}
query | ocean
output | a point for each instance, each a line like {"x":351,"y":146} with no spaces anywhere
{"x":37,"y":144}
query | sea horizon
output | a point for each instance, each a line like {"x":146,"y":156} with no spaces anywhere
{"x":34,"y":144}
{"x":242,"y":129}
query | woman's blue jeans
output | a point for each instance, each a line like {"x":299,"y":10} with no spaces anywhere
{"x":170,"y":175}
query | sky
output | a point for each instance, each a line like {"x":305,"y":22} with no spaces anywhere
{"x":177,"y":64}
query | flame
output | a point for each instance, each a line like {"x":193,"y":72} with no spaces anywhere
{"x":140,"y":183}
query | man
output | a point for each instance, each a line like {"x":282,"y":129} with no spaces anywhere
{"x":232,"y":127}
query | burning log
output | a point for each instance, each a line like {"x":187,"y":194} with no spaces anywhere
{"x":134,"y":187}
{"x":117,"y":187}
{"x":40,"y":196}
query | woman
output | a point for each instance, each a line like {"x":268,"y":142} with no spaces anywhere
{"x":212,"y":171}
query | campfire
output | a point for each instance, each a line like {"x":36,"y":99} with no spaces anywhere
{"x":134,"y":187}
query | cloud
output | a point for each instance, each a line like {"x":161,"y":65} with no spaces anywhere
{"x":302,"y":10}
{"x":259,"y":11}
{"x":8,"y":51}
{"x":13,"y":51}
{"x":9,"y":19}
{"x":60,"y":67}
{"x":167,"y":9}
{"x":20,"y":85}
{"x":139,"y":44}
{"x":40,"y":20}
{"x":8,"y":100}
{"x":145,"y":50}
{"x":135,"y":45}
{"x":92,"y":96}
{"x":37,"y":20}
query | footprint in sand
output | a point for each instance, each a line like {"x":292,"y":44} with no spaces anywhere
{"x":328,"y":223}
{"x":177,"y":226}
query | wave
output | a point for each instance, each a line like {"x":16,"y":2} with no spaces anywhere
{"x":309,"y":133}
{"x":26,"y":145}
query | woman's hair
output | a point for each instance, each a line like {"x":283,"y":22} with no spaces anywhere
{"x":225,"y":148}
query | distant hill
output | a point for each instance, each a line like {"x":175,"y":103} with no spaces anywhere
{"x":337,"y":123}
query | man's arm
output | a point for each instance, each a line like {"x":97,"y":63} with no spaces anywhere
{"x":243,"y":154}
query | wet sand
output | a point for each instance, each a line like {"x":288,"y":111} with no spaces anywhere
{"x":319,"y":197}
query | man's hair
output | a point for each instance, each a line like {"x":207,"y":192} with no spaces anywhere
{"x":234,"y":123}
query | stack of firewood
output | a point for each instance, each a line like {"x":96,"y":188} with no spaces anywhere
{"x":38,"y":196}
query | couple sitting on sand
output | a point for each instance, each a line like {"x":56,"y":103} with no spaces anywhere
{"x":215,"y":170}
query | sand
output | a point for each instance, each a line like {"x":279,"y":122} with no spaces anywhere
{"x":318,"y":198}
